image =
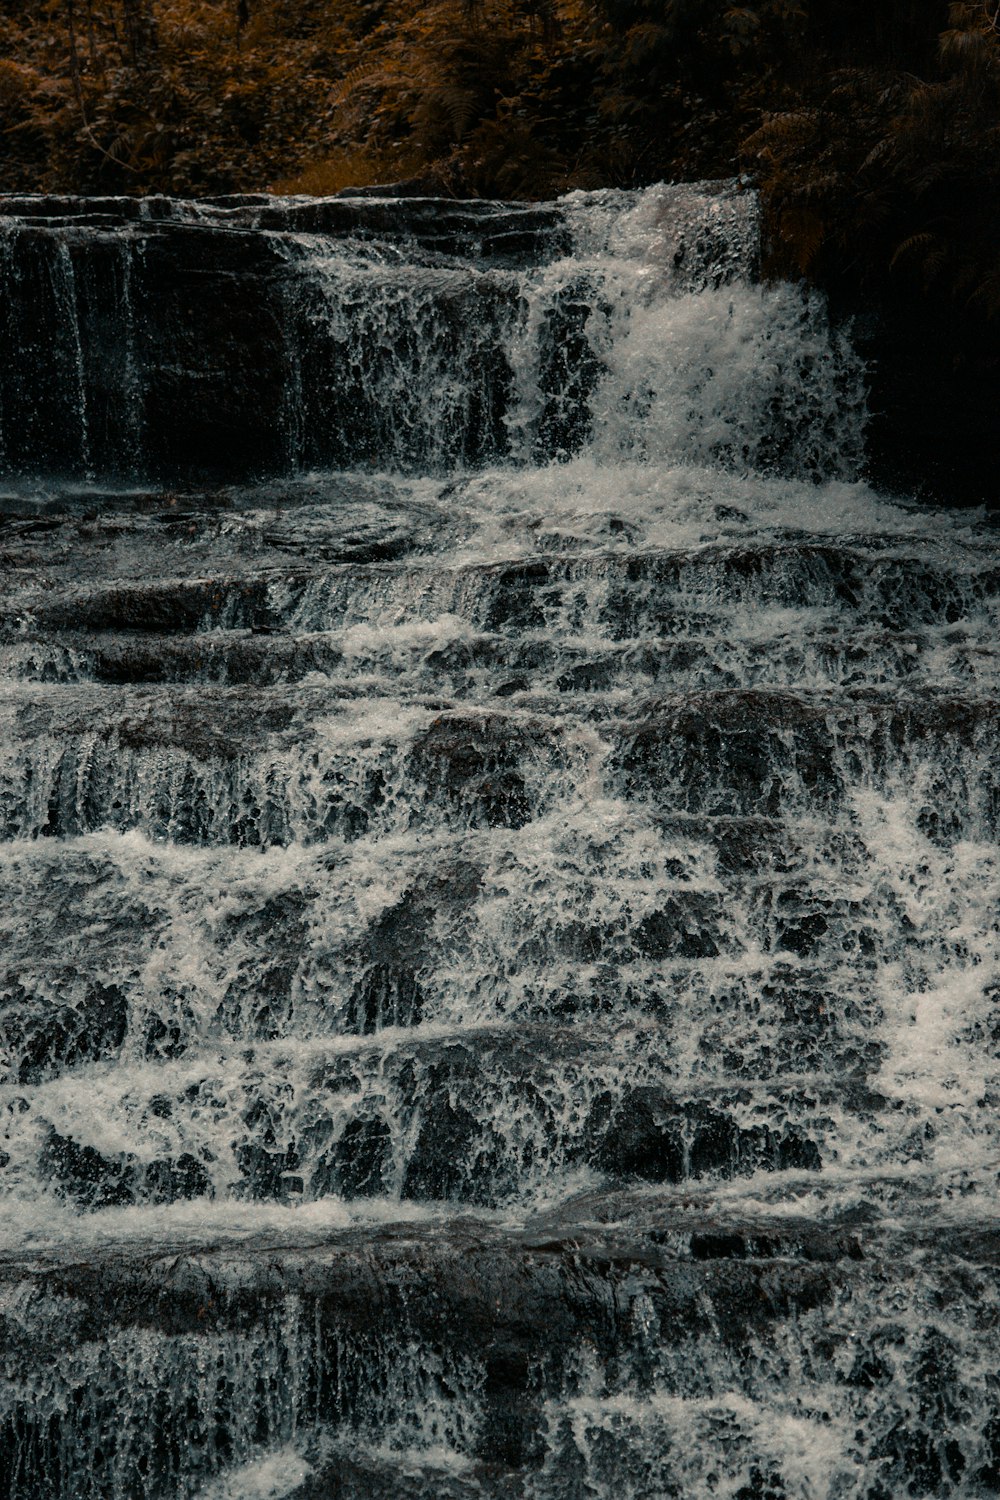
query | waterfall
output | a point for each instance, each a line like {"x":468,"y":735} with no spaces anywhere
{"x":416,"y":352}
{"x":499,"y":965}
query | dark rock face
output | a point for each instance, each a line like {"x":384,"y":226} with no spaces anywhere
{"x":210,"y":307}
{"x":47,"y":1035}
{"x":114,"y":365}
{"x":474,"y":763}
{"x":178,"y":341}
{"x":93,"y":1180}
{"x":359,"y":1164}
{"x":933,"y":396}
{"x":649,"y":1135}
{"x":471,"y":1121}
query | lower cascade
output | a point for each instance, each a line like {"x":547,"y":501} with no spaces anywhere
{"x":499,"y":965}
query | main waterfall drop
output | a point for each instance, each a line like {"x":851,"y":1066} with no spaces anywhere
{"x":499,"y":958}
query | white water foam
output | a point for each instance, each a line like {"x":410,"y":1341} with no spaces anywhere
{"x":607,"y":866}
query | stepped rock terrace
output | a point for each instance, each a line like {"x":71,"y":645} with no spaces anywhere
{"x":498,"y":825}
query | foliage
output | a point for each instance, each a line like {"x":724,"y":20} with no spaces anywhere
{"x":147,"y":95}
{"x":888,"y":170}
{"x":872,"y":128}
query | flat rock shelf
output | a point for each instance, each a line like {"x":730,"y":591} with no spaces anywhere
{"x":499,"y":966}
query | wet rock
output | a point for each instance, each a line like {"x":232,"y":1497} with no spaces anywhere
{"x":731,"y":754}
{"x":359,"y":381}
{"x":514,"y":595}
{"x":166,"y":1035}
{"x":654,"y":1136}
{"x":401,"y":946}
{"x":358,"y":1476}
{"x":182,"y":326}
{"x":502,"y":1318}
{"x":167,"y":1181}
{"x":681,"y":929}
{"x":476,"y":763}
{"x":642,"y":1139}
{"x":532,"y":933}
{"x":44,"y":1033}
{"x":158,"y":607}
{"x":95,"y":1180}
{"x":762,"y":1485}
{"x":84,"y":1174}
{"x":387,"y":995}
{"x":504,"y":233}
{"x":569,"y":372}
{"x":358,"y":1165}
{"x":989,"y":1474}
{"x":273,"y":938}
{"x":264,"y":1174}
{"x":442,"y":1158}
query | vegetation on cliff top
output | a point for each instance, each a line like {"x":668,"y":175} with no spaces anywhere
{"x":873,"y":130}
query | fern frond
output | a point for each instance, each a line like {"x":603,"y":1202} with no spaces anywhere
{"x":909,"y":245}
{"x":459,"y":106}
{"x":344,"y":87}
{"x":987,"y":295}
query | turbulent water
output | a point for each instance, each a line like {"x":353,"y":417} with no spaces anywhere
{"x":499,"y":968}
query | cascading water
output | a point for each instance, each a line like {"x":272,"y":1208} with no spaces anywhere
{"x":499,"y":966}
